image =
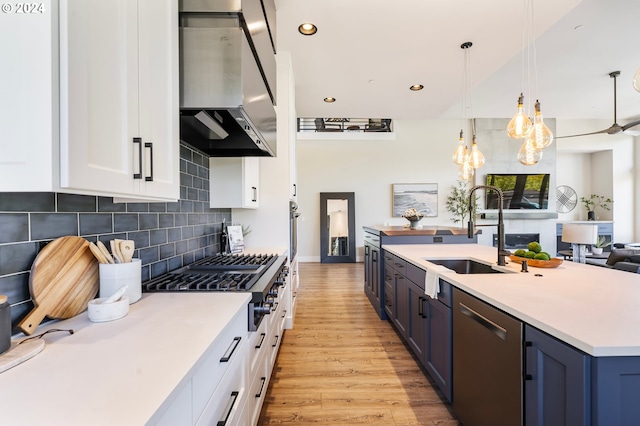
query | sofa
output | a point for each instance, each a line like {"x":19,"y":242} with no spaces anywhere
{"x":624,"y":258}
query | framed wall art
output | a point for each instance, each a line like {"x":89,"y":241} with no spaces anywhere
{"x":421,"y":196}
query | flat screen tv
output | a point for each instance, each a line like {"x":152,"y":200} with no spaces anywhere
{"x":521,"y":191}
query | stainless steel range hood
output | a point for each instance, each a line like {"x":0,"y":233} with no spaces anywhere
{"x":227,"y":77}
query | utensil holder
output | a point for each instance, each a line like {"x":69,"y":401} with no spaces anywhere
{"x":115,"y":275}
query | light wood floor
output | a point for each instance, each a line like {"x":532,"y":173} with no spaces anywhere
{"x":341,"y":365}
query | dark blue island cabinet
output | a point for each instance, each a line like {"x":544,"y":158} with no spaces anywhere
{"x":564,"y":386}
{"x":557,"y":382}
{"x":374,"y":267}
{"x":425,"y":324}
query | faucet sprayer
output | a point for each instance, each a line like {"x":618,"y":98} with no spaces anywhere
{"x":471,"y":228}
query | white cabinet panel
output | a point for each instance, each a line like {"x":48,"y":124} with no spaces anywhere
{"x":28,"y":97}
{"x":234,"y":182}
{"x":118,"y":82}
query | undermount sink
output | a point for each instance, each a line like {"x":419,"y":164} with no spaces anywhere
{"x":465,"y":266}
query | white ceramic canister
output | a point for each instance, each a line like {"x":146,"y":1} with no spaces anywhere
{"x":115,"y":275}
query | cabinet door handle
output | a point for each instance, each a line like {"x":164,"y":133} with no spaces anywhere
{"x":149,"y":145}
{"x":234,"y":395}
{"x":421,"y":301}
{"x":366,"y":250}
{"x":264,"y":380}
{"x":262,"y":336}
{"x":276,"y":342}
{"x":484,"y":321}
{"x":295,"y":190}
{"x":374,"y":257}
{"x":139,"y":142}
{"x":284,"y":313}
{"x":255,"y":194}
{"x":231,"y":349}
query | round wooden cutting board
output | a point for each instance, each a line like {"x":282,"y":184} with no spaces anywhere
{"x":64,"y":278}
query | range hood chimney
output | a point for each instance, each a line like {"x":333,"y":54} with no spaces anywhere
{"x":228,"y":77}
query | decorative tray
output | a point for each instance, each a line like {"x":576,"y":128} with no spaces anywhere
{"x":554,"y":262}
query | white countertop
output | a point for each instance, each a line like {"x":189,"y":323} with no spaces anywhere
{"x":118,"y":372}
{"x":592,"y":308}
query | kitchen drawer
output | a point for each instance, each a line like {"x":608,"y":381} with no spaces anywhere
{"x":444,"y":295}
{"x":258,"y":390}
{"x":416,"y":274}
{"x":228,"y":401}
{"x":372,"y":239}
{"x":388,"y":260}
{"x":231,"y":345}
{"x":400,"y":266}
{"x":257,"y":343}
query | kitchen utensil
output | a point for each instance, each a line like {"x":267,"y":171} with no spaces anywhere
{"x":104,"y":250}
{"x":117,"y":295}
{"x":113,"y":277}
{"x":64,"y":277}
{"x":99,"y":311}
{"x":114,"y":251}
{"x":126,"y":250}
{"x":97,"y":253}
{"x":5,"y":325}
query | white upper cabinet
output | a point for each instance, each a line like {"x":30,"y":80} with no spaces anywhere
{"x":234,"y":182}
{"x":119,"y":129}
{"x":28,"y":94}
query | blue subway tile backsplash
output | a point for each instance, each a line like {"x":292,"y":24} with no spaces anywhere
{"x":167,"y":235}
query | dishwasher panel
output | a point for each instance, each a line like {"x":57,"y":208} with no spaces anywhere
{"x":487,"y":363}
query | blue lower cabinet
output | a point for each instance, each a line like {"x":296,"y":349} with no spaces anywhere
{"x":418,"y":320}
{"x":438,"y":348}
{"x":616,"y":391}
{"x":557,"y":387}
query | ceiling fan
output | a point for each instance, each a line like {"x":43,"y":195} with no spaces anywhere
{"x":615,"y":127}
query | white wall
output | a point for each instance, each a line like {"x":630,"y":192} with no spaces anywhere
{"x":421,"y":153}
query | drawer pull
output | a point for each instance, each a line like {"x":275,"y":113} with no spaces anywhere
{"x":484,"y":321}
{"x":264,"y":380}
{"x":276,"y":342}
{"x":262,"y":336}
{"x":231,"y":349}
{"x":234,"y":395}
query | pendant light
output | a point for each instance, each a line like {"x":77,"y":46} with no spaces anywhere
{"x":636,"y":80}
{"x":536,"y":135}
{"x":529,"y":154}
{"x":539,"y":134}
{"x":468,"y":160}
{"x":461,"y":150}
{"x":520,"y":123}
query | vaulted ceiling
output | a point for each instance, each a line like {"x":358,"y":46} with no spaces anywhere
{"x":367,"y":53}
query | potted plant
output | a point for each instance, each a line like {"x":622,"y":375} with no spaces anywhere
{"x":600,"y":245}
{"x":594,"y":201}
{"x":458,"y":202}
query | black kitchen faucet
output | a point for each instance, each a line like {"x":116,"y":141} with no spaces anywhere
{"x":470,"y":231}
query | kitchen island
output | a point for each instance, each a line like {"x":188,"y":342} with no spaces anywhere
{"x":149,"y":367}
{"x":588,"y":313}
{"x":376,"y":236}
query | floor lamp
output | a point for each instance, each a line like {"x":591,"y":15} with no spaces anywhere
{"x":579,"y":235}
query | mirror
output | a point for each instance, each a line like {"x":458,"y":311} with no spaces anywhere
{"x":337,"y":227}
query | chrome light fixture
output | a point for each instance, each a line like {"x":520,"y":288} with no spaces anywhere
{"x":467,"y":159}
{"x":536,"y":134}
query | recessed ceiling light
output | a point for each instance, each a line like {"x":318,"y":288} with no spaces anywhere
{"x":307,"y":29}
{"x":416,"y":87}
{"x":329,"y":100}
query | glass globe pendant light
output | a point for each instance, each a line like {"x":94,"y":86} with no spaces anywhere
{"x":520,"y":123}
{"x":476,"y":158}
{"x":460,"y":152}
{"x":466,"y":171}
{"x":528,"y":154}
{"x":539,"y":134}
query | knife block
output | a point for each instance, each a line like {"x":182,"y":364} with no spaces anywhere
{"x":115,"y":275}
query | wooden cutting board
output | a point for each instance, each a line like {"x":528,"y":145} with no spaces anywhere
{"x":64,"y":278}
